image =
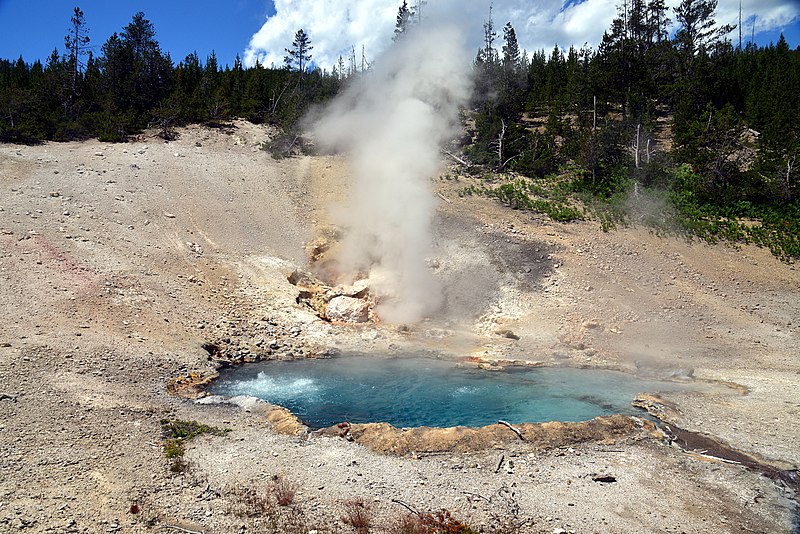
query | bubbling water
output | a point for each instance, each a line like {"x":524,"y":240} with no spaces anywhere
{"x":414,"y":391}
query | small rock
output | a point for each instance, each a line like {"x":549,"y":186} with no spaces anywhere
{"x":507,"y":334}
{"x":605,"y":478}
{"x":169,"y":215}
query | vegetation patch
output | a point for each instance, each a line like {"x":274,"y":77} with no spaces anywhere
{"x":177,"y":433}
{"x":543,"y":196}
{"x":776,"y":227}
{"x":358,"y":514}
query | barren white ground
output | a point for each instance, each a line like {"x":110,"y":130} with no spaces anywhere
{"x":118,"y":260}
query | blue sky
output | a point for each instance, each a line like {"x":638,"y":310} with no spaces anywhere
{"x":33,"y":28}
{"x":263,"y":28}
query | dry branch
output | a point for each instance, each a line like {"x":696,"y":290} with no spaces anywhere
{"x":406,"y":506}
{"x":514,"y":430}
{"x":461,"y":161}
{"x":181,"y":529}
{"x":500,"y":463}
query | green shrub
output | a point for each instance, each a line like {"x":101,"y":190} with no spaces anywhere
{"x":176,"y":433}
{"x":524,"y":194}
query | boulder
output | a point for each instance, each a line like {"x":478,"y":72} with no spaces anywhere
{"x":348,"y":309}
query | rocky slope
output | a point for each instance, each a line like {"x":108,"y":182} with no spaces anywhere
{"x":121,"y":264}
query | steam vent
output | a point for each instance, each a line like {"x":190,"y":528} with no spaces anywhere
{"x":425,"y":267}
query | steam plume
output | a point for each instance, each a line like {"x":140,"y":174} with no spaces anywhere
{"x":391,"y":123}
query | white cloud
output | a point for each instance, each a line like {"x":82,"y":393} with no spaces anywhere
{"x":769,"y":15}
{"x":335,"y":26}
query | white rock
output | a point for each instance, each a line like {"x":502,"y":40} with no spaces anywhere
{"x":348,"y":309}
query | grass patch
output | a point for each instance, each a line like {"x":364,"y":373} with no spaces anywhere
{"x":546,"y":196}
{"x":174,"y":448}
{"x":358,"y":514}
{"x":177,"y":433}
{"x":186,"y":430}
{"x":766,"y":225}
{"x":619,"y":200}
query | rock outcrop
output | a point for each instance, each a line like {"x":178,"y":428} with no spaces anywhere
{"x":349,"y":304}
{"x":348,"y":309}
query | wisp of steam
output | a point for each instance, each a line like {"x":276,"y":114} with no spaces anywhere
{"x":391,"y":123}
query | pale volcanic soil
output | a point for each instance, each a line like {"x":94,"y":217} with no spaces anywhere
{"x":118,"y":261}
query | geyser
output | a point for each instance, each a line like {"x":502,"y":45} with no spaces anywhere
{"x":390,"y":122}
{"x":415,"y":391}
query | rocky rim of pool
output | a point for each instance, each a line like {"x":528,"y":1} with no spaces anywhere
{"x":385,"y":438}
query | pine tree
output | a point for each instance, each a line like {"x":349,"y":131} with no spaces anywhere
{"x":298,"y":56}
{"x":140,"y":36}
{"x":657,"y":21}
{"x":698,"y":30}
{"x":150,"y":74}
{"x":511,"y":54}
{"x":403,"y":23}
{"x":416,"y":11}
{"x":77,"y":43}
{"x":512,"y":97}
{"x":488,"y":55}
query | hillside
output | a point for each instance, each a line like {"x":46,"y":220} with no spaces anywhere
{"x":119,"y":262}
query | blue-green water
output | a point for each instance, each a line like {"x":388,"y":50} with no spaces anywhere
{"x":413,"y":391}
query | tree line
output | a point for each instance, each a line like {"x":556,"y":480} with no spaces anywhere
{"x":665,"y":104}
{"x":131,"y":84}
{"x":713,"y":126}
{"x":727,"y":110}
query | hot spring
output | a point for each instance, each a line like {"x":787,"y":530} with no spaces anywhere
{"x":417,"y":391}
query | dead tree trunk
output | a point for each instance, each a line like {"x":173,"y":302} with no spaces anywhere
{"x":277,"y":98}
{"x":500,"y":139}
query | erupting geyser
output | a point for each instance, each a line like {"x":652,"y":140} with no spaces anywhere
{"x":391,"y":123}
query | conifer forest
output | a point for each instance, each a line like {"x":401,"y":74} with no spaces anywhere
{"x":667,"y":123}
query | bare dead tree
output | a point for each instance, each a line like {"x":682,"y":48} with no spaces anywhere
{"x":788,"y":179}
{"x":500,"y":138}
{"x":276,"y":98}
